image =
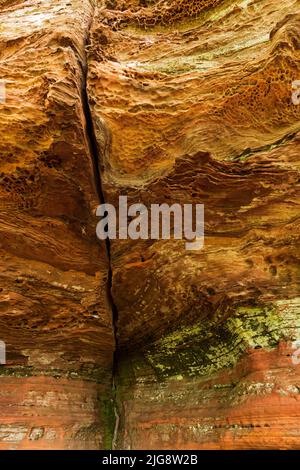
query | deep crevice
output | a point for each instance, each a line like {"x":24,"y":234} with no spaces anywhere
{"x":95,"y":152}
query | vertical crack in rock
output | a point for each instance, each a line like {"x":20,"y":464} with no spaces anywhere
{"x":98,"y":184}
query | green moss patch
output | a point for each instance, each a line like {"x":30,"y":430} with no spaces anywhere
{"x":211,"y":345}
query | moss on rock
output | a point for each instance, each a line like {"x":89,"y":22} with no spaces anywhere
{"x":211,"y":345}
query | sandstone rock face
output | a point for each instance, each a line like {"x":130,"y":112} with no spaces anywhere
{"x":163,"y":101}
{"x":193,"y":105}
{"x":55,"y":316}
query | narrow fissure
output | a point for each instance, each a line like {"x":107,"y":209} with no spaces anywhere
{"x":98,"y":184}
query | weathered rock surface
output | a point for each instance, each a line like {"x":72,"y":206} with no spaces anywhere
{"x":193,"y":105}
{"x":189,"y":102}
{"x":55,"y":315}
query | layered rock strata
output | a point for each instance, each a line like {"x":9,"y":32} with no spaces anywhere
{"x":55,"y":316}
{"x":193,"y":104}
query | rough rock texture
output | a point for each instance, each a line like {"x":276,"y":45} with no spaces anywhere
{"x":55,"y":315}
{"x":184,"y":101}
{"x":191,"y":102}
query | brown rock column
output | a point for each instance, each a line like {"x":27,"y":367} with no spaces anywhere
{"x":193,"y":104}
{"x":55,"y":316}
